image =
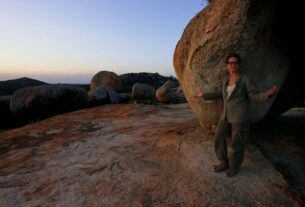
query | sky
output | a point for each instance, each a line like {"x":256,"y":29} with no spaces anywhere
{"x":68,"y":41}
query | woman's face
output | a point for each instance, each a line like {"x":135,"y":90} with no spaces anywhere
{"x":233,"y":65}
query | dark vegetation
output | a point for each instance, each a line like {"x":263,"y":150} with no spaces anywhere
{"x":153,"y":79}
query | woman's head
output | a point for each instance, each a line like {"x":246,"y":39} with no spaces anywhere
{"x":233,"y":62}
{"x":233,"y":55}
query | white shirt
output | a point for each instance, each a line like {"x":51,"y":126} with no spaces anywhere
{"x":230,"y":90}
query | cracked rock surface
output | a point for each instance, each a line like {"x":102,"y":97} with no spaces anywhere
{"x":129,"y":155}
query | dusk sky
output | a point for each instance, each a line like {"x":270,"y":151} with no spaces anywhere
{"x":68,"y":41}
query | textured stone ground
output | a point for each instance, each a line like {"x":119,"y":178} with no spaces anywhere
{"x":129,"y":155}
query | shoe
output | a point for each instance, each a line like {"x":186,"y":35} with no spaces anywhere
{"x":221,"y":167}
{"x":232,"y":171}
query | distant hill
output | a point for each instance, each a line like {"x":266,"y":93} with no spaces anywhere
{"x":9,"y":86}
{"x":153,"y":79}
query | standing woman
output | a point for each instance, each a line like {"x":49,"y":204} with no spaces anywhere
{"x":236,"y":91}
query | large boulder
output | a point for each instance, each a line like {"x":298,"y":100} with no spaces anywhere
{"x":262,"y":33}
{"x":43,"y":101}
{"x":105,"y":78}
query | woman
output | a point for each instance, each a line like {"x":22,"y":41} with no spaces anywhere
{"x":236,"y":91}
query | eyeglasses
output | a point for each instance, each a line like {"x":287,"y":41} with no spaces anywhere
{"x":232,"y":63}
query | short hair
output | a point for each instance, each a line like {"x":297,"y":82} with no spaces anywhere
{"x":233,"y":55}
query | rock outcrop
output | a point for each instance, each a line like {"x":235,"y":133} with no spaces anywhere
{"x":262,"y":32}
{"x":47,"y":100}
{"x":129,"y":155}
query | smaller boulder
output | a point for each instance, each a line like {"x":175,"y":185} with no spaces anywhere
{"x":103,"y":95}
{"x":170,"y":93}
{"x":97,"y":96}
{"x":141,"y":93}
{"x":105,"y":78}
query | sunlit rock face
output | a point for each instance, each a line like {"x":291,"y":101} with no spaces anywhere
{"x":270,"y":48}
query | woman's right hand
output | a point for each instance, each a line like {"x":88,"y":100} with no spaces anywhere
{"x":272,"y":91}
{"x":199,"y":95}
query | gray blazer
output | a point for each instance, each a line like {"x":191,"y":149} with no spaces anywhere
{"x":236,"y":107}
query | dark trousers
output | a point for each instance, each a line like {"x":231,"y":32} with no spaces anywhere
{"x":240,"y":134}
